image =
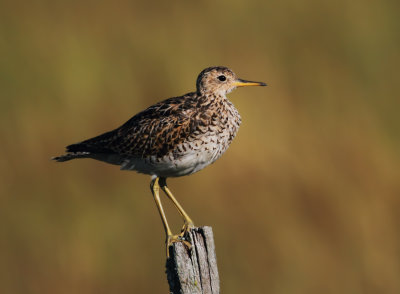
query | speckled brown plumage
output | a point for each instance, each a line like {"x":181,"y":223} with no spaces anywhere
{"x":198,"y":127}
{"x":162,"y":128}
{"x":175,"y":137}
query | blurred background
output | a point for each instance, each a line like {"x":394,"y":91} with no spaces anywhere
{"x":307,"y":198}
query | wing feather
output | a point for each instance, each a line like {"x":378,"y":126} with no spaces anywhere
{"x":154,"y":131}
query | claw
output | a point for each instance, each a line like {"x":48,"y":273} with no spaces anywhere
{"x":176,"y":238}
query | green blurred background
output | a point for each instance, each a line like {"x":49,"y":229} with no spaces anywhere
{"x":306,"y":200}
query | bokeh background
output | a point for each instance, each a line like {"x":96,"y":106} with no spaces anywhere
{"x":306,"y":200}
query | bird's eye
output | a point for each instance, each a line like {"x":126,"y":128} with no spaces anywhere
{"x":222,"y":78}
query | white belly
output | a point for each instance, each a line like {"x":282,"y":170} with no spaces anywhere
{"x":192,"y":160}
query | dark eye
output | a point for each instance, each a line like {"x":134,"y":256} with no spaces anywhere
{"x":222,"y":78}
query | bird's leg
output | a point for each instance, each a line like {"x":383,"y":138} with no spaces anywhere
{"x":188,"y":223}
{"x":155,"y":189}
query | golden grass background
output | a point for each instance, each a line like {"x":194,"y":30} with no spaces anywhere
{"x":306,"y":200}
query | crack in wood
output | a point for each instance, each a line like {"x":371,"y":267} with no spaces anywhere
{"x":194,"y":271}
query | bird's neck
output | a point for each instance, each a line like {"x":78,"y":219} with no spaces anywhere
{"x":211,"y":98}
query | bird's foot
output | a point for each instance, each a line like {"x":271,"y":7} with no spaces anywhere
{"x":177,"y":238}
{"x":187,"y":226}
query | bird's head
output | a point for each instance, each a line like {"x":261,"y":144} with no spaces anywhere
{"x":221,"y":81}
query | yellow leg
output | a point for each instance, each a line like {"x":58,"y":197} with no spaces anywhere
{"x":188,"y":223}
{"x":155,"y":189}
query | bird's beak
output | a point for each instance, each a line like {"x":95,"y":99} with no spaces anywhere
{"x":243,"y":83}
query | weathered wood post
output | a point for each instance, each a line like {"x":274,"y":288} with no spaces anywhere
{"x":194,"y":271}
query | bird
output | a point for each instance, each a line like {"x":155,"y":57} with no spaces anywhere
{"x":172,"y":138}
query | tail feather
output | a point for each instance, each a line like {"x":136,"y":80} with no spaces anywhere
{"x":85,"y":149}
{"x":70,"y":156}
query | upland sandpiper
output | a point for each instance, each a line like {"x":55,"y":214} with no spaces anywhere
{"x":175,"y":137}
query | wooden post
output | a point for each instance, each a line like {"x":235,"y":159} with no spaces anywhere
{"x":194,"y":271}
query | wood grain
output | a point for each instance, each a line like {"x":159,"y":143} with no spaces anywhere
{"x":194,"y":271}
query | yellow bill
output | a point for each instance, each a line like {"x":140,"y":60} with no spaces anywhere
{"x":244,"y":83}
